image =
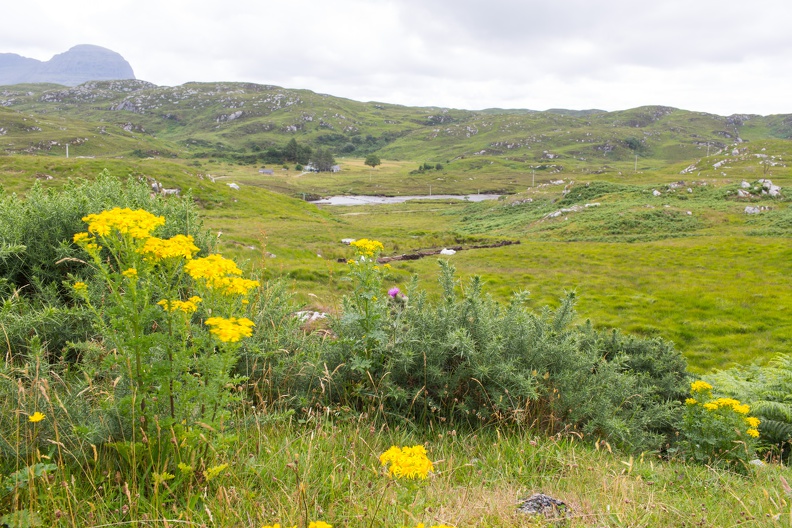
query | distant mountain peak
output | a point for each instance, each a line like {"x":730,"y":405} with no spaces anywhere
{"x":81,"y":63}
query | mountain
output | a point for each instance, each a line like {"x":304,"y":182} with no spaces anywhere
{"x":81,"y":63}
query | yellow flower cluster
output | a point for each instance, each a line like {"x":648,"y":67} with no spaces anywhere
{"x":137,"y":224}
{"x":367,"y":247}
{"x":178,"y":246}
{"x":232,"y":329}
{"x":130,"y":273}
{"x":719,"y":403}
{"x":752,"y":421}
{"x":691,"y":401}
{"x":80,"y":286}
{"x":188,"y":306}
{"x":407,"y":462}
{"x":86,"y":241}
{"x":218,"y":272}
{"x":213,"y":471}
{"x":700,"y":386}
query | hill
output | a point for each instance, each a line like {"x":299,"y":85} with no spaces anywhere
{"x":247,"y":121}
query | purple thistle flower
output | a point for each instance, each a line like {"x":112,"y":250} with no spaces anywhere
{"x":393,"y":292}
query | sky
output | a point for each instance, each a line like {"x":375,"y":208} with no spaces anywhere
{"x":722,"y":57}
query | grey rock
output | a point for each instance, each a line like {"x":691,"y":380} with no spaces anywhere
{"x":541,"y":504}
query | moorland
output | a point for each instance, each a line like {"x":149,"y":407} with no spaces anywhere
{"x":665,"y":229}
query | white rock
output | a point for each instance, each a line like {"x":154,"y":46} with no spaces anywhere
{"x":234,"y":186}
{"x":752,"y":210}
{"x":656,"y":192}
{"x":445,"y":251}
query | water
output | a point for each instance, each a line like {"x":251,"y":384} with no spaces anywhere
{"x":377,"y":200}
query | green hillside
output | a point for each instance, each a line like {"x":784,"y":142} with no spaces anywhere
{"x":218,"y":119}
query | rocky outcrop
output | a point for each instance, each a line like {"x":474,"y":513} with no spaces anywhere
{"x":78,"y":65}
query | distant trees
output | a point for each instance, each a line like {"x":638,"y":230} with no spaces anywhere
{"x":322,"y":160}
{"x":372,"y":160}
{"x":296,"y":153}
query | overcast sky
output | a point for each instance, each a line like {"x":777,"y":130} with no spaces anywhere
{"x":722,"y":57}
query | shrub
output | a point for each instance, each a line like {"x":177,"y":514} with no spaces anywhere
{"x":469,"y":360}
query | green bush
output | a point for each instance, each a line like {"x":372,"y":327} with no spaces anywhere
{"x":468,"y":360}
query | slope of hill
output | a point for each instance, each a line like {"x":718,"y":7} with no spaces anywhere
{"x":216,"y":119}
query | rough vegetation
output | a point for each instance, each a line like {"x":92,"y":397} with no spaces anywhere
{"x":136,"y":387}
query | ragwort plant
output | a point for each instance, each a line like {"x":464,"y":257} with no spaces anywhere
{"x":173,"y":325}
{"x":718,"y":431}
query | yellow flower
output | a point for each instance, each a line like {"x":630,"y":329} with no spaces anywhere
{"x":178,"y":246}
{"x":367,"y":247}
{"x":752,"y":421}
{"x":184,"y":468}
{"x":237,"y":285}
{"x":131,"y":273}
{"x":691,"y":401}
{"x":79,"y":286}
{"x":188,"y":306}
{"x":754,"y":433}
{"x":351,"y":261}
{"x":710,"y":406}
{"x":137,"y":224}
{"x":81,"y":238}
{"x":319,"y":524}
{"x":159,"y":478}
{"x":407,"y":462}
{"x":212,"y":472}
{"x":86,"y":241}
{"x":231,"y":329}
{"x":700,"y":386}
{"x":36,"y":417}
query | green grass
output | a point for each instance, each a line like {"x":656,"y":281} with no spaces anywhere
{"x":328,"y":469}
{"x":713,"y":281}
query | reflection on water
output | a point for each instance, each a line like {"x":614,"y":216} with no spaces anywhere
{"x":376,"y":200}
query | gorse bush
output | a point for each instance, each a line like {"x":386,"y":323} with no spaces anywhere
{"x":466,"y":359}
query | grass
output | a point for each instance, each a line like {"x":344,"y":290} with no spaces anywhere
{"x":713,"y":281}
{"x":328,"y":469}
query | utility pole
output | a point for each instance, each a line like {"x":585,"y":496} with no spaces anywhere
{"x":67,"y":150}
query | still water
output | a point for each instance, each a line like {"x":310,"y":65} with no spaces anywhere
{"x":376,"y":200}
